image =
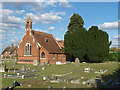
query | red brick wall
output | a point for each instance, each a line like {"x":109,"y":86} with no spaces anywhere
{"x":46,"y":55}
{"x":60,"y":58}
{"x":34,"y":48}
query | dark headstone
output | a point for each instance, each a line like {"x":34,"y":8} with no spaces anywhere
{"x":94,"y":83}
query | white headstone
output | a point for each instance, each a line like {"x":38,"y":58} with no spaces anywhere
{"x":15,"y":62}
{"x":14,"y":70}
{"x":18,"y":74}
{"x":44,"y":78}
{"x":82,"y":77}
{"x":29,"y":68}
{"x":35,"y":62}
{"x":2,"y":68}
{"x":23,"y":68}
{"x":23,"y":76}
{"x":43,"y":68}
{"x":77,"y":62}
{"x":1,"y":56}
{"x":4,"y":75}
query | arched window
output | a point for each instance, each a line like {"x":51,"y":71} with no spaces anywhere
{"x":27,"y":48}
{"x":53,"y":56}
{"x":42,"y":55}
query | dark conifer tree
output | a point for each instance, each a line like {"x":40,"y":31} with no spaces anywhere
{"x":97,"y":44}
{"x":91,"y":45}
{"x":75,"y":37}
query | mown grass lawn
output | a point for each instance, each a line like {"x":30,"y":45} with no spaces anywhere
{"x":57,"y":69}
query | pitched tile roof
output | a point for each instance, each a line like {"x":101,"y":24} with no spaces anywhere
{"x":61,"y":43}
{"x":29,"y":19}
{"x":47,"y":41}
{"x":9,"y":49}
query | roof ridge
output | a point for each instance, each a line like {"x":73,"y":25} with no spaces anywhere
{"x":52,"y":46}
{"x":42,"y":32}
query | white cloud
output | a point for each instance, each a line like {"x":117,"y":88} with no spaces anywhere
{"x":51,"y":28}
{"x":20,"y":32}
{"x":15,"y":41}
{"x":11,"y":35}
{"x":41,"y":30}
{"x":20,"y":11}
{"x":36,"y":5}
{"x":0,"y":5}
{"x":3,"y":38}
{"x":109,"y":25}
{"x":10,"y":22}
{"x":117,"y":37}
{"x":64,"y":3}
{"x":7,"y":25}
{"x":6,"y":12}
{"x":46,"y":18}
{"x":13,"y":32}
{"x":16,"y":37}
{"x":115,"y":44}
{"x":51,"y":3}
{"x":15,"y":19}
{"x":115,"y":40}
{"x":60,"y":13}
{"x":2,"y":31}
{"x":58,"y":39}
{"x":21,"y":0}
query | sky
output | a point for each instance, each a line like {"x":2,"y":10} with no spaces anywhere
{"x":53,"y":17}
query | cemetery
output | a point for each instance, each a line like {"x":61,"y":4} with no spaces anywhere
{"x":69,"y":75}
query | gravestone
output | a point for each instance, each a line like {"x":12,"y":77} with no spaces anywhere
{"x":1,"y":56}
{"x":23,"y":76}
{"x":15,"y":62}
{"x":23,"y":68}
{"x":77,"y":62}
{"x":29,"y":68}
{"x":18,"y":74}
{"x":44,"y":78}
{"x":64,"y":88}
{"x":94,"y":83}
{"x":43,"y":68}
{"x":87,"y":69}
{"x":49,"y":88}
{"x":82,"y":77}
{"x":35,"y":62}
{"x":42,"y":63}
{"x":2,"y":68}
{"x":35,"y":78}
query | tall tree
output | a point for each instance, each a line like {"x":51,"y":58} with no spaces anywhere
{"x":91,"y":45}
{"x":75,"y":37}
{"x":76,"y":22}
{"x":97,"y":44}
{"x":79,"y":43}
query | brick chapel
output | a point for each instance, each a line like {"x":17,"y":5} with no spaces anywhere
{"x":36,"y":45}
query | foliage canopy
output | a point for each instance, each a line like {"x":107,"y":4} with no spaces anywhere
{"x":92,"y":45}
